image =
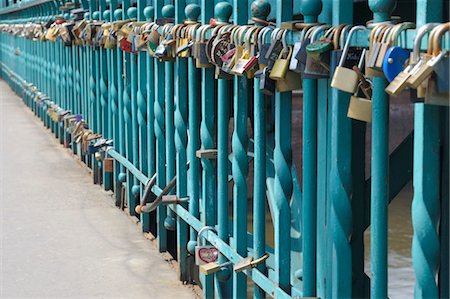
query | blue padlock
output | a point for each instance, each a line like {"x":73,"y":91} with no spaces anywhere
{"x":394,"y":62}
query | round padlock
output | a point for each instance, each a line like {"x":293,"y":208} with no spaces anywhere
{"x":395,"y":62}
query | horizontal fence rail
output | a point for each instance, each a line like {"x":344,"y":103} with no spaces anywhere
{"x":183,"y":109}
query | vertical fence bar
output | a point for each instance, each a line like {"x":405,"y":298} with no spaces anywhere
{"x":120,"y":144}
{"x":70,"y":85}
{"x":142,"y":112}
{"x":149,"y":12}
{"x":339,"y":184}
{"x":113,"y":101}
{"x":382,"y":10}
{"x":240,"y":161}
{"x":209,"y":192}
{"x":193,"y":141}
{"x":310,"y":11}
{"x":181,"y":85}
{"x":104,"y":93}
{"x":94,"y":90}
{"x":128,"y":114}
{"x":260,"y":10}
{"x":283,"y":177}
{"x":133,"y":121}
{"x":445,"y":208}
{"x":426,"y":175}
{"x":222,"y":283}
{"x":169,"y":222}
{"x":160,"y":141}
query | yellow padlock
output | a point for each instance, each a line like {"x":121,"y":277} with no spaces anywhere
{"x":281,"y":65}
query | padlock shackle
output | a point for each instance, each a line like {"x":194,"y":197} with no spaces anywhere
{"x":361,"y":60}
{"x":418,"y":39}
{"x":203,"y":230}
{"x":348,"y":41}
{"x":317,"y":30}
{"x":276,"y":35}
{"x":248,"y":37}
{"x":437,"y":38}
{"x":147,"y":208}
{"x":262,"y":35}
{"x":398,"y":29}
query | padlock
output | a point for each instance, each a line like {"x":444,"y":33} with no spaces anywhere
{"x":281,"y":65}
{"x":263,"y":47}
{"x":238,"y":68}
{"x":202,"y":60}
{"x":346,"y":79}
{"x":383,"y":47}
{"x":400,"y":81}
{"x":108,"y":165}
{"x":441,"y":70}
{"x":424,"y":70}
{"x":291,"y":82}
{"x":266,"y":84}
{"x":314,"y":69}
{"x":394,"y":62}
{"x":320,"y":50}
{"x":435,"y":96}
{"x":376,"y":36}
{"x":360,"y":108}
{"x":245,"y":62}
{"x":153,"y":38}
{"x":294,"y":65}
{"x":227,"y":55}
{"x":396,"y":57}
{"x":302,"y":55}
{"x":276,"y":47}
{"x":210,"y":43}
{"x":205,"y":254}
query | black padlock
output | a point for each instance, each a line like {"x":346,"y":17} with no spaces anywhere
{"x":301,"y":55}
{"x":266,"y":85}
{"x":274,"y":50}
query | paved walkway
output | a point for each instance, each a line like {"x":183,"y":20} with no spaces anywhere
{"x":61,"y":236}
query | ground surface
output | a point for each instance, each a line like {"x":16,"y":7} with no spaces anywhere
{"x":61,"y":236}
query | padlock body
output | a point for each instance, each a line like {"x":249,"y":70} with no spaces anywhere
{"x":205,"y":254}
{"x":394,"y":62}
{"x":433,"y":96}
{"x":360,"y":109}
{"x":345,"y":79}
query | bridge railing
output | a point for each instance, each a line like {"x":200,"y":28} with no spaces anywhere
{"x":173,"y":102}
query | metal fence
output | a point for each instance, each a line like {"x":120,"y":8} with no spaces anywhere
{"x":144,"y":94}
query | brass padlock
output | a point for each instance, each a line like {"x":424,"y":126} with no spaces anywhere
{"x":384,"y":46}
{"x":291,"y":82}
{"x":360,"y":108}
{"x":346,"y":79}
{"x":281,"y":65}
{"x":424,"y":68}
{"x":376,"y":35}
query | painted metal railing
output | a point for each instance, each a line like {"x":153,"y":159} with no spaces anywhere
{"x":152,"y":121}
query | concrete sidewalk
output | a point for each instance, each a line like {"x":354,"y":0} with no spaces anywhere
{"x":61,"y":236}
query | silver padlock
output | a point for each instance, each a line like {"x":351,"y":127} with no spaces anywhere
{"x":205,"y":254}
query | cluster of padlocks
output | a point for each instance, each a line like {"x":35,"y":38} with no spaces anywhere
{"x":261,"y":50}
{"x":126,"y":95}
